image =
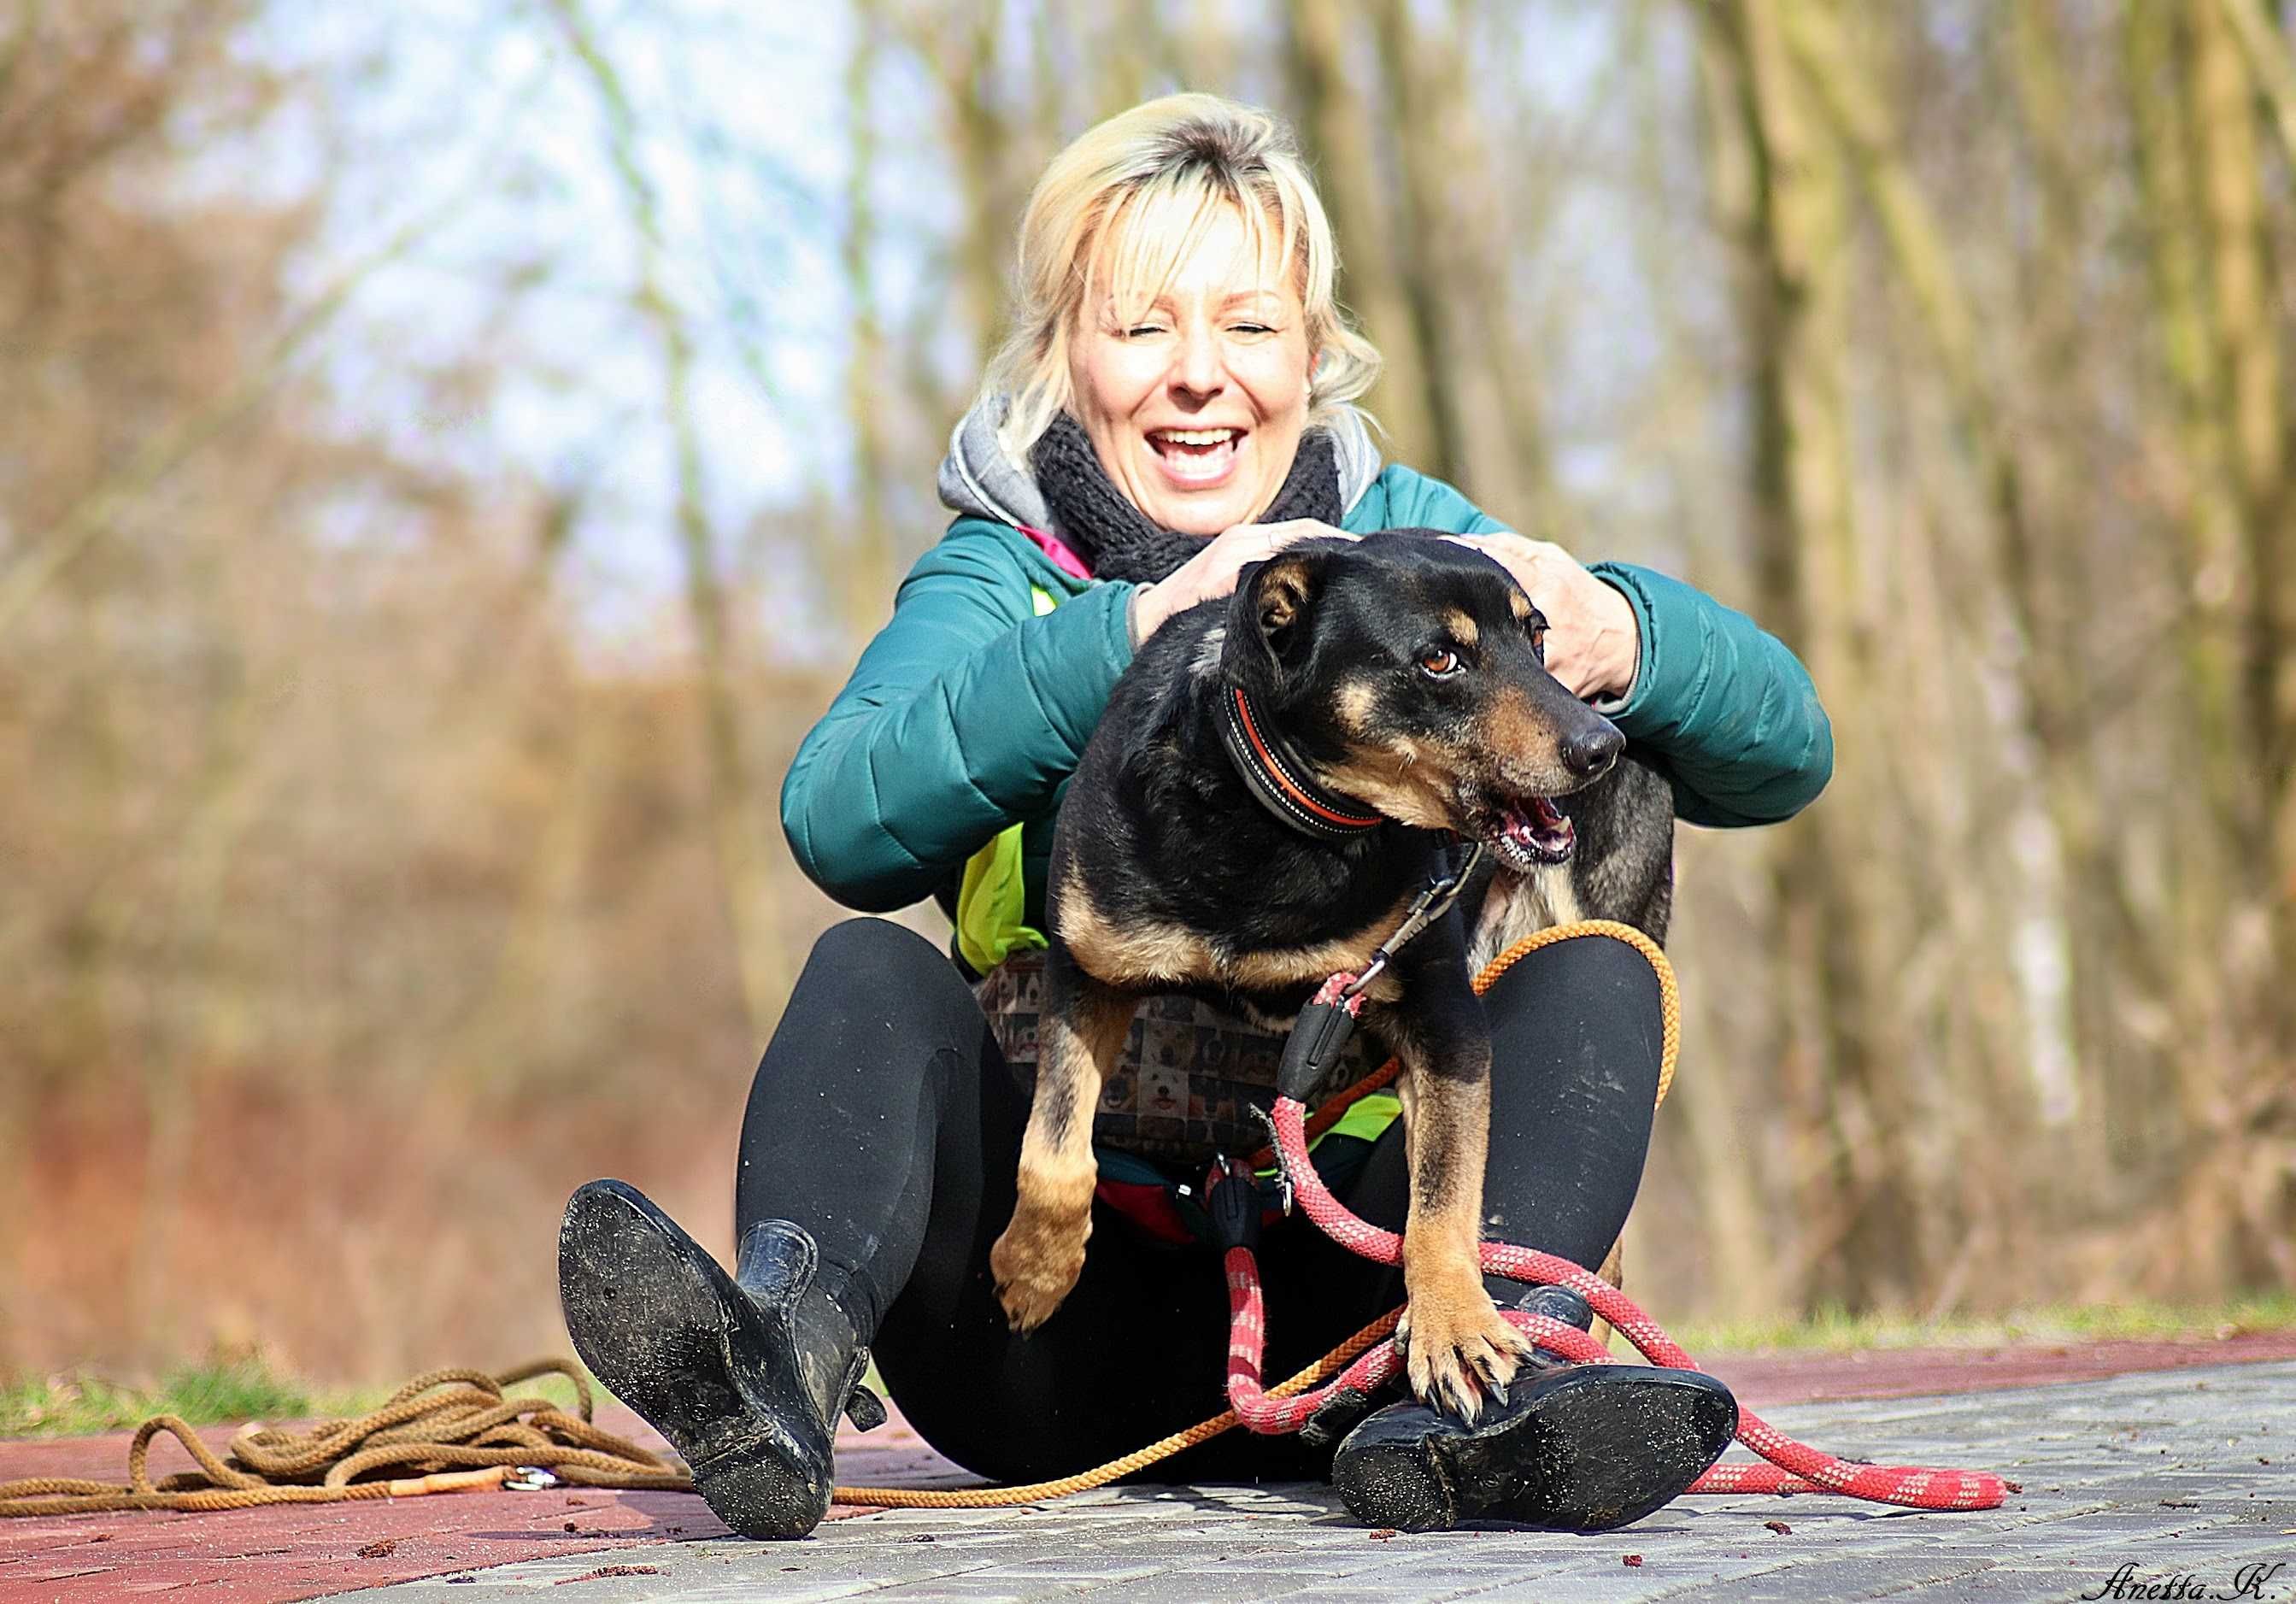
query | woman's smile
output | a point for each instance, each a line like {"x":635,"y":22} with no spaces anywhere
{"x":1197,"y":458}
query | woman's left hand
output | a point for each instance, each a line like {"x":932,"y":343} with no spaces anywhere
{"x":1594,"y":645}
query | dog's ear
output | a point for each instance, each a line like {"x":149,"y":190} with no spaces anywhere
{"x":1275,"y":600}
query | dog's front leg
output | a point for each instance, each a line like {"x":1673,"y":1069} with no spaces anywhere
{"x":1455,"y":1344}
{"x":1039,"y":1258}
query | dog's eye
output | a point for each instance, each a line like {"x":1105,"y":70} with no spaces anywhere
{"x":1438,"y":663}
{"x":1538,"y":640}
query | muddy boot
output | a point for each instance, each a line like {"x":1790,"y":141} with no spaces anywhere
{"x":1573,"y":1447}
{"x":744,"y":1374}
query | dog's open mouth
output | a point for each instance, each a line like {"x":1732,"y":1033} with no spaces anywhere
{"x":1532,"y":833}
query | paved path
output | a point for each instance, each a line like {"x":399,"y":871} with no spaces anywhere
{"x":2185,"y":1474}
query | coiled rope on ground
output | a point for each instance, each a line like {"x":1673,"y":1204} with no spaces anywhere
{"x":445,"y":1431}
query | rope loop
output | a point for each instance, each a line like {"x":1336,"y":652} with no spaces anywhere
{"x":445,"y":1431}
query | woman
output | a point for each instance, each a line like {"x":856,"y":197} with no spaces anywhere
{"x":1173,"y":404}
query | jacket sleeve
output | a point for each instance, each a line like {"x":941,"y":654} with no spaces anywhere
{"x":1729,"y":707}
{"x":965,"y":715}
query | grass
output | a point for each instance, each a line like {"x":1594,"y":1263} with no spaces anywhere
{"x":215,"y":1392}
{"x":1836,"y":1329}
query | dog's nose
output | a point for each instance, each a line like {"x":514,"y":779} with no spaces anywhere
{"x":1590,"y":751}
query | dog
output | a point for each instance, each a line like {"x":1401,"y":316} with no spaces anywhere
{"x":1277,"y":777}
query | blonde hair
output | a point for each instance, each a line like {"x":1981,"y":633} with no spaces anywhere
{"x":1124,"y":204}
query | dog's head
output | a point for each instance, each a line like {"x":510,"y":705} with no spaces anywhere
{"x":1410,"y":673}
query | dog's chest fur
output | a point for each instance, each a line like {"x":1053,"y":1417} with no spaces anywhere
{"x":1520,"y":905}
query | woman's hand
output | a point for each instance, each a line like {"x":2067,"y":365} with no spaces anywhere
{"x":1212,"y":570}
{"x":1594,"y":645}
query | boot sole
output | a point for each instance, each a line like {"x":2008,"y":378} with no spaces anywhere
{"x":1594,"y":1453}
{"x":652,"y":1323}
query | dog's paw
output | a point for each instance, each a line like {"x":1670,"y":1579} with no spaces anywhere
{"x":1036,"y":1264}
{"x":1457,"y":1350}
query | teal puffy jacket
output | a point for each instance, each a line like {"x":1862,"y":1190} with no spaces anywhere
{"x":969,"y":711}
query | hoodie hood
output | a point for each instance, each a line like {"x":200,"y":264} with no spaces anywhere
{"x":979,"y":479}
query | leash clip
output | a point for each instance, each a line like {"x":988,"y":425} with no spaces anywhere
{"x":1433,"y":903}
{"x":1232,"y":1200}
{"x":529,"y":1478}
{"x":1283,"y":1193}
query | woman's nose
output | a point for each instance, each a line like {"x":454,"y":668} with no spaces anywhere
{"x":1199,"y":366}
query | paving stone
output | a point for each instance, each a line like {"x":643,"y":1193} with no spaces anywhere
{"x":2097,"y":1459}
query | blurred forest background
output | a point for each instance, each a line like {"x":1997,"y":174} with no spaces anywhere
{"x":449,"y":452}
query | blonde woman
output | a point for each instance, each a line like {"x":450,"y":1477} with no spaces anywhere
{"x":1173,"y":403}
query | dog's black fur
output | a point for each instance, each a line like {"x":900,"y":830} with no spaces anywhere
{"x":1405,"y":672}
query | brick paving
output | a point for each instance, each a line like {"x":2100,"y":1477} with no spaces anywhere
{"x":2097,"y":1460}
{"x":2183,"y":1477}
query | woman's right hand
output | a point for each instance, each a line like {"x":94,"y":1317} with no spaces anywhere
{"x":1212,"y":570}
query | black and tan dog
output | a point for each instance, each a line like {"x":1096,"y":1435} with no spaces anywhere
{"x":1276,"y":778}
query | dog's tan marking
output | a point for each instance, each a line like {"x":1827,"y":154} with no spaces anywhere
{"x":1454,"y":1343}
{"x":1520,"y":604}
{"x":1513,"y":723}
{"x":1282,"y":590}
{"x":1037,"y":1261}
{"x":1462,"y":627}
{"x":1142,"y":954}
{"x":1526,"y":743}
{"x":1355,"y":706}
{"x":1521,"y":905}
{"x":1560,"y":893}
{"x":1405,"y":779}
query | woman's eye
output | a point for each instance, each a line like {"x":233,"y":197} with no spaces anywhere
{"x":1440,"y":663}
{"x":1145,"y":329}
{"x":1253,"y":328}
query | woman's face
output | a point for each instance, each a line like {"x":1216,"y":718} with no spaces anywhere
{"x":1195,"y":403}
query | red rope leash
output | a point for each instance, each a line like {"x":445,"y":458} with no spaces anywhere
{"x":1792,"y":1466}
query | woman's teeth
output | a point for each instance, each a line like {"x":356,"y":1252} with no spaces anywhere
{"x":1195,"y":454}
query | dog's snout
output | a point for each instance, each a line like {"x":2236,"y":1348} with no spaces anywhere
{"x":1590,"y":751}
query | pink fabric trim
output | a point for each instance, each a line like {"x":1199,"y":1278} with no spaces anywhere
{"x":1063,"y":559}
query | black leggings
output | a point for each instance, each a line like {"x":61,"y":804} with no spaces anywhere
{"x":883,"y":1119}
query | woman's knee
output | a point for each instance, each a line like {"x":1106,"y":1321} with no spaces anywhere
{"x":868,"y":943}
{"x":1587,"y":997}
{"x":865,"y":975}
{"x":875,"y":957}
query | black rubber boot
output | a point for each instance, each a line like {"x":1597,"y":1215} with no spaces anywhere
{"x":1573,"y":1447}
{"x":744,"y":1374}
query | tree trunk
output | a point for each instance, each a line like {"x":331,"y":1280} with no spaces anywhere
{"x":734,"y":813}
{"x":1795,"y":238}
{"x":1337,"y":122}
{"x":863,"y":572}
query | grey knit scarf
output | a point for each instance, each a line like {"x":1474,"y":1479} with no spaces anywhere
{"x":1118,"y":541}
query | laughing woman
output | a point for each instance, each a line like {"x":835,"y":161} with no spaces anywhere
{"x":1173,"y":404}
